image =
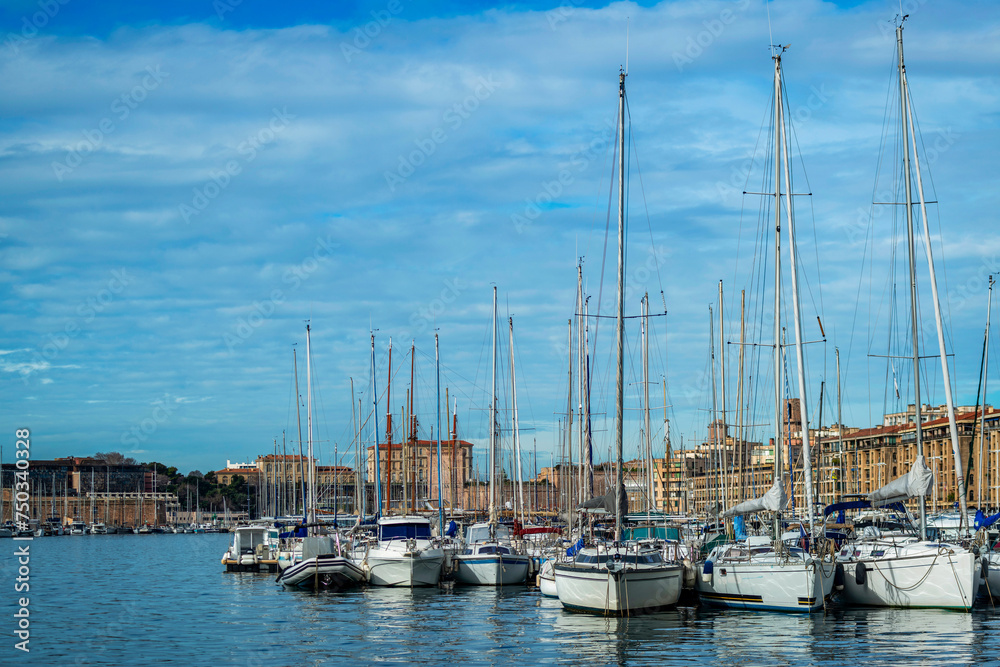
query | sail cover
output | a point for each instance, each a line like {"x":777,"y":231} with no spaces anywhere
{"x":605,"y":503}
{"x":918,"y":482}
{"x":774,"y":500}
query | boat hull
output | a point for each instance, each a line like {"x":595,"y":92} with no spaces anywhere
{"x":623,"y":591}
{"x":325,"y":571}
{"x":490,"y":569}
{"x":547,"y":580}
{"x":407,"y":569}
{"x":793,"y":586}
{"x":945,"y":580}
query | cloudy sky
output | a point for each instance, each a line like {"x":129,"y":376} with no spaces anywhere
{"x":185,"y":184}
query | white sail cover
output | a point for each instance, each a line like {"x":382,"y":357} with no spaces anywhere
{"x":918,"y":482}
{"x":774,"y":500}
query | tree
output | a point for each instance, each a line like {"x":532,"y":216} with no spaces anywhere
{"x":115,"y":459}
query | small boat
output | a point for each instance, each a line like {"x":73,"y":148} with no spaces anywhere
{"x":319,"y":563}
{"x":78,"y":527}
{"x":546,"y":580}
{"x":98,"y":529}
{"x":405,"y":554}
{"x":490,"y":558}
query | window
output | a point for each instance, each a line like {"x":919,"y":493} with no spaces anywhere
{"x":404,"y":531}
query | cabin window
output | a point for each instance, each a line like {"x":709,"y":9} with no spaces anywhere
{"x":406,"y":531}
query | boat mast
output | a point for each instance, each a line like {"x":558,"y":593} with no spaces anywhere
{"x":494,"y":455}
{"x":982,"y":414}
{"x":298,"y":419}
{"x":911,"y":251}
{"x":517,"y":437}
{"x":437,"y":427}
{"x":388,"y":435}
{"x":378,"y":471}
{"x":412,"y":437}
{"x":309,"y":434}
{"x":945,"y":371}
{"x":650,"y":505}
{"x":580,"y":378}
{"x":714,"y":422}
{"x":620,"y":331}
{"x":739,"y":399}
{"x":725,"y":430}
{"x":779,"y":407}
{"x":570,"y":503}
{"x":840,"y":430}
{"x":797,"y":322}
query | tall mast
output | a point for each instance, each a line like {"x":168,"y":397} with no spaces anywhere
{"x":412,"y":437}
{"x":357,"y":457}
{"x":388,"y":435}
{"x":589,"y":449}
{"x":797,"y":321}
{"x":620,"y":332}
{"x":298,"y":419}
{"x":714,"y":422}
{"x":377,"y":456}
{"x":982,"y":414}
{"x":437,"y":428}
{"x":571,"y":472}
{"x":912,"y":254}
{"x":580,"y":349}
{"x":739,"y":398}
{"x":722,"y":395}
{"x":779,"y":406}
{"x":517,"y":437}
{"x":309,"y":431}
{"x":494,"y":445}
{"x":650,"y":504}
{"x":939,"y":324}
{"x":840,"y":429}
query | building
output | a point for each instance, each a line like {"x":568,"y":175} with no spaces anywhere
{"x":411,"y":469}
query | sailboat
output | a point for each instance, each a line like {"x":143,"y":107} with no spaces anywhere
{"x":618,"y":578}
{"x":903,"y":570}
{"x":762,"y":572}
{"x":490,"y":557}
{"x":404,"y":553}
{"x":318,"y":560}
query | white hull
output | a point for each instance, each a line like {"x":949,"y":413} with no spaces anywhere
{"x":327,"y":570}
{"x":921,"y":575}
{"x":491,"y":569}
{"x":620,"y":591}
{"x":391,"y":567}
{"x":547,"y":580}
{"x":795,"y":585}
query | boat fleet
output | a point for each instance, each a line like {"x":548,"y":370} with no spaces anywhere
{"x":870,"y":551}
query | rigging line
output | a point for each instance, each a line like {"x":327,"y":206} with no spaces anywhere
{"x":805,"y":174}
{"x":607,"y":228}
{"x":642,"y":190}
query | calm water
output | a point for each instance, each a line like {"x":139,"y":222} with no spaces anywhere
{"x":165,"y":599}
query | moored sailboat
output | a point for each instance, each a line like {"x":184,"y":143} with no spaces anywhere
{"x":620,"y":578}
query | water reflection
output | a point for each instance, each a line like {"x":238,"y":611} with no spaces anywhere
{"x":110,"y":599}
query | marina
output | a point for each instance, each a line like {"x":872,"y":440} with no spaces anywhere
{"x":248,"y":619}
{"x":737,"y":424}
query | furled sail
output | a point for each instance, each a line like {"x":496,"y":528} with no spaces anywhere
{"x":918,"y":482}
{"x":774,"y":500}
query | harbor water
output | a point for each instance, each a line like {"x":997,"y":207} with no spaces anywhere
{"x":165,"y":599}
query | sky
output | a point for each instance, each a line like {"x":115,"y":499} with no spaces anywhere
{"x":185,"y":184}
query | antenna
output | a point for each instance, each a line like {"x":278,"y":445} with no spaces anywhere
{"x":770,"y":36}
{"x":626,"y":45}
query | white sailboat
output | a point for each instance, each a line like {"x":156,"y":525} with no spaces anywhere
{"x":906,"y":570}
{"x":490,"y":557}
{"x":620,"y":578}
{"x":317,"y":561}
{"x":761,"y":572}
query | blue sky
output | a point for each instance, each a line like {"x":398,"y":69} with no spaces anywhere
{"x":182,"y":190}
